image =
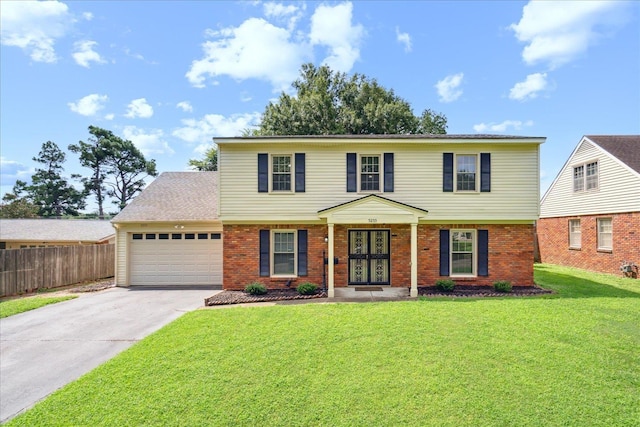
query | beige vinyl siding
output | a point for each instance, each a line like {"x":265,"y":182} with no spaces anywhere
{"x":618,"y":187}
{"x":417,"y":182}
{"x":124,"y":230}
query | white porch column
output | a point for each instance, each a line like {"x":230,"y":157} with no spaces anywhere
{"x":414,"y":261}
{"x":330,"y":291}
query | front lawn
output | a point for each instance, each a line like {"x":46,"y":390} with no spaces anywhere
{"x":569,"y":359}
{"x":20,"y":305}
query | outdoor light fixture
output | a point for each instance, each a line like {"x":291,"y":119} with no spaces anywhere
{"x":326,"y":239}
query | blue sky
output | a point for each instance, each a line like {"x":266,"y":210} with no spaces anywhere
{"x":171,"y":75}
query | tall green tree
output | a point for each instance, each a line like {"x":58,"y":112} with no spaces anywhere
{"x":94,"y":155}
{"x":209,"y":161}
{"x":127,"y":167}
{"x":331,"y":103}
{"x":49,"y":190}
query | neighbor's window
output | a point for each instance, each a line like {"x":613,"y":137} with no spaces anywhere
{"x":284,"y":253}
{"x":369,"y":173}
{"x":605,"y":234}
{"x":281,"y":173}
{"x":585,"y":181}
{"x":575,"y":235}
{"x":466,"y":166}
{"x":462,"y":252}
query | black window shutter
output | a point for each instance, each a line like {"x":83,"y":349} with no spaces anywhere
{"x":300,"y":171}
{"x":263,"y":173}
{"x":447,"y":172}
{"x":388,"y":172}
{"x":352,"y":175}
{"x":485,"y":172}
{"x":264,"y":253}
{"x":444,"y":252}
{"x":483,"y":252}
{"x":302,"y":252}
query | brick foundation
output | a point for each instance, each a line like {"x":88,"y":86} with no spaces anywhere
{"x":510,"y":255}
{"x":553,"y":242}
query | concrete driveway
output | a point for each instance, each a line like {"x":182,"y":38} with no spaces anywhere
{"x":45,"y":349}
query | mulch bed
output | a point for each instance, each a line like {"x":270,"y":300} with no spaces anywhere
{"x":241,"y":297}
{"x":482,"y":291}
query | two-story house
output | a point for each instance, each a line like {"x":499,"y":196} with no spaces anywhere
{"x":387,"y":210}
{"x":590,"y":215}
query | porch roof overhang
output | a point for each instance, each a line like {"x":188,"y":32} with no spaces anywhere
{"x":372,"y":209}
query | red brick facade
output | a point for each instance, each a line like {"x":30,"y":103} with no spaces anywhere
{"x":553,"y":242}
{"x":510,"y":254}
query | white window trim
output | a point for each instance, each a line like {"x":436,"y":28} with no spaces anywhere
{"x":600,"y":247}
{"x":380,"y":173}
{"x":571,"y":245}
{"x":291,"y":173}
{"x":474,"y":253}
{"x":272,"y":253}
{"x":584,"y":176}
{"x":455,"y":173}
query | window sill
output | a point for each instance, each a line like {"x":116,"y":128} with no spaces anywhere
{"x":605,"y":251}
{"x":464,"y":277}
{"x":573,"y":248}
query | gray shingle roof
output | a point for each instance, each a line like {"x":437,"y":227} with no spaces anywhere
{"x":625,"y":147}
{"x":49,"y":230}
{"x":175,"y":196}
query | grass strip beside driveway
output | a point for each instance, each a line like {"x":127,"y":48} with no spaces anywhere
{"x":20,"y":305}
{"x":528,"y":361}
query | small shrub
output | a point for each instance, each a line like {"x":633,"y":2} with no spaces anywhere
{"x":502,"y":286}
{"x":307,"y":288}
{"x":255,"y":288}
{"x":445,"y":285}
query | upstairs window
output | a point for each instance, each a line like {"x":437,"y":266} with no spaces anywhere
{"x":369,"y":173}
{"x":585,"y":177}
{"x":281,"y":173}
{"x":466,"y":166}
{"x":575,"y":234}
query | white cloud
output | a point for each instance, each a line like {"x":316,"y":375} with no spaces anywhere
{"x":148,"y":141}
{"x":84,"y":53}
{"x":12,"y":171}
{"x":501,"y":127}
{"x":278,"y":10}
{"x":557,"y":32}
{"x":331,"y":26}
{"x":34,"y":26}
{"x":139,"y":108}
{"x":201,"y":131}
{"x":88,"y":16}
{"x":256,"y":49}
{"x":404,"y":38}
{"x":109,"y":116}
{"x":185,"y":106}
{"x":529,"y":88}
{"x":449,"y":87}
{"x":89,"y":105}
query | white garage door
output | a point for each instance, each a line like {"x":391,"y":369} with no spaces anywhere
{"x":175,"y":258}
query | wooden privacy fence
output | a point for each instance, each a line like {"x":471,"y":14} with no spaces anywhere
{"x":29,"y":269}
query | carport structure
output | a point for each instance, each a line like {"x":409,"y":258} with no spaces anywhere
{"x":170,"y":234}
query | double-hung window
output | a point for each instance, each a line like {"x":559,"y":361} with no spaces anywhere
{"x":281,"y":172}
{"x":605,"y":234}
{"x":369,"y":173}
{"x":575,"y":234}
{"x":284,"y":252}
{"x":463,"y":252}
{"x":585,"y":177}
{"x":466,"y":172}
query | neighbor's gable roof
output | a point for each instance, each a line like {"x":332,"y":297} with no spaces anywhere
{"x":626,"y":148}
{"x":175,"y":196}
{"x":58,"y":230}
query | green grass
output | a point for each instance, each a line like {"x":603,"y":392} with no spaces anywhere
{"x":20,"y":305}
{"x":572,"y":359}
